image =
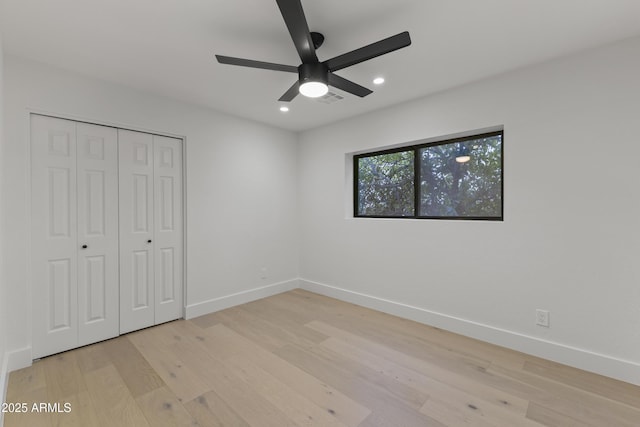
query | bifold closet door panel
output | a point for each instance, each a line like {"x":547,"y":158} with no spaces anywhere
{"x":74,"y":244}
{"x":98,"y":281}
{"x":168,"y":228}
{"x":137,"y":291}
{"x":53,"y":235}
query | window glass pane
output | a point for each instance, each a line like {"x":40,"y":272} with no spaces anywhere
{"x":385,"y":184}
{"x":462,"y":179}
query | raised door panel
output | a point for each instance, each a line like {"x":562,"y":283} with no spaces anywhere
{"x":168,"y":228}
{"x":59,"y":283}
{"x":137,"y":274}
{"x":98,"y":281}
{"x":140,"y":280}
{"x":53,"y":235}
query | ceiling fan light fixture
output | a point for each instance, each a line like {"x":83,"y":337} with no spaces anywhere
{"x":314,"y":89}
{"x":314,"y":79}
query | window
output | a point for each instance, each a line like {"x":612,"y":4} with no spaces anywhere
{"x":454,"y":179}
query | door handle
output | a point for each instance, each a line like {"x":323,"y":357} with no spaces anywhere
{"x":149,"y":241}
{"x":84,"y":246}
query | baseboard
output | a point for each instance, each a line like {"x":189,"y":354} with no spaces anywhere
{"x":19,"y":359}
{"x":243,"y":297}
{"x":612,"y":367}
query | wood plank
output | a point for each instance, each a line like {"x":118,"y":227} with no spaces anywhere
{"x":134,"y":369}
{"x":430,"y":380}
{"x":373,"y":324}
{"x":551,"y":418}
{"x":211,"y":411}
{"x":112,"y":400}
{"x":226,"y":344}
{"x":185,"y":328}
{"x":402,"y":342}
{"x":29,"y":418}
{"x":450,"y":361}
{"x":308,"y":307}
{"x":287,"y":305}
{"x":390,"y":387}
{"x":264,"y":331}
{"x":295,"y":406}
{"x":82,"y":414}
{"x":162,"y":408}
{"x":63,"y":375}
{"x":452,"y":406}
{"x":25,"y":381}
{"x":225,"y":381}
{"x":572,"y":402}
{"x":244,"y":400}
{"x":205,"y":321}
{"x":450,"y":415}
{"x":379,"y":418}
{"x":364,"y":391}
{"x":597,"y":384}
{"x":92,"y":357}
{"x":175,"y":373}
{"x":249,"y":327}
{"x":283,"y":320}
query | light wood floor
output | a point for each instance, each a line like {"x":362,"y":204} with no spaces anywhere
{"x":300,"y":359}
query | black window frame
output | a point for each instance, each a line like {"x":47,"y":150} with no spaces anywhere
{"x":417,"y":174}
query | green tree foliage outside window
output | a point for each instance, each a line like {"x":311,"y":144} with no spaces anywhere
{"x":460,"y":178}
{"x":386,"y":184}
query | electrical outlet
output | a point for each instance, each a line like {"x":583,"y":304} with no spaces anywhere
{"x":542,"y":318}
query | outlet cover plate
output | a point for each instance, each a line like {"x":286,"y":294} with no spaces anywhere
{"x":542,"y":318}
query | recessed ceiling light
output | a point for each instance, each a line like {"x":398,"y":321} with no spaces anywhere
{"x":284,"y":109}
{"x":378,"y":80}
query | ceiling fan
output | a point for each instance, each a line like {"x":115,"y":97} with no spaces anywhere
{"x":315,"y":77}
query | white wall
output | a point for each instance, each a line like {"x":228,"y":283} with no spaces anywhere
{"x":570,"y":239}
{"x":240,"y":187}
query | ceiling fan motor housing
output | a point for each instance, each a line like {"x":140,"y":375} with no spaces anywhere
{"x":316,"y":72}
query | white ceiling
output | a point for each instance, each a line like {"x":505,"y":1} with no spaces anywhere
{"x":167,"y":47}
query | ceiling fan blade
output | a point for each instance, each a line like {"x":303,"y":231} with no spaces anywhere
{"x":256,"y":64}
{"x":348,"y":86}
{"x":293,"y":15}
{"x":368,"y":52}
{"x":291,"y":93}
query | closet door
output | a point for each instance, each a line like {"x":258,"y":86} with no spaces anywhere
{"x":168,"y":228}
{"x":137,"y":292}
{"x":53,"y":235}
{"x":98,"y":281}
{"x":74,"y":242}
